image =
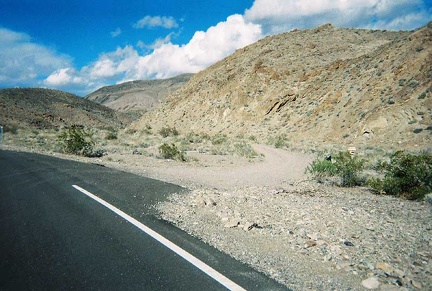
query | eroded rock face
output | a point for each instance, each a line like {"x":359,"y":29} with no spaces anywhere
{"x":322,"y":85}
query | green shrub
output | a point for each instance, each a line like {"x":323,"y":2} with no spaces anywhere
{"x":345,"y":166}
{"x":280,"y":141}
{"x":111,"y":135}
{"x":168,"y":131}
{"x":322,"y":168}
{"x":76,"y":140}
{"x":244,"y":149}
{"x":171,"y":152}
{"x":219,"y":139}
{"x":10,"y":128}
{"x":406,"y":175}
{"x":348,"y":168}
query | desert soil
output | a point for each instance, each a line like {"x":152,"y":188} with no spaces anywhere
{"x":269,"y":214}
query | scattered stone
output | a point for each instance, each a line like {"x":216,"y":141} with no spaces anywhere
{"x":249,"y":226}
{"x":388,"y":287}
{"x":399,"y":273}
{"x":315,"y":241}
{"x":348,"y":243}
{"x":209,"y":202}
{"x":199,"y":201}
{"x":384,"y":267}
{"x":310,"y":243}
{"x":371,"y":283}
{"x":232,"y":223}
{"x":416,"y":284}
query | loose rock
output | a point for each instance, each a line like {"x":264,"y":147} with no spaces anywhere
{"x":371,"y":283}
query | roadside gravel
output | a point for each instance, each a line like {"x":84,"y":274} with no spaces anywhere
{"x":309,"y":236}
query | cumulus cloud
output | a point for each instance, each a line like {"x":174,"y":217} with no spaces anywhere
{"x":283,"y":15}
{"x":167,"y":22}
{"x":166,"y":59}
{"x":204,"y":49}
{"x":24,"y":62}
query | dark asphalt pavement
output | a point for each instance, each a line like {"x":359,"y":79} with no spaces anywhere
{"x":53,"y":237}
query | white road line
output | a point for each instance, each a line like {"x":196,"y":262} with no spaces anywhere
{"x":188,"y":257}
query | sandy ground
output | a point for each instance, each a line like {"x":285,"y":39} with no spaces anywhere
{"x":276,"y":168}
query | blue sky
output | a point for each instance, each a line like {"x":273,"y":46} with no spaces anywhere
{"x":81,"y":45}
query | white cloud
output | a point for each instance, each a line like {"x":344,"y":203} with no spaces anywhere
{"x":166,"y":60}
{"x":204,"y":49}
{"x":156,"y":21}
{"x":283,"y":15}
{"x":23,"y":62}
{"x":116,"y":32}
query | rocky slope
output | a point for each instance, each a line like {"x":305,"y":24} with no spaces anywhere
{"x":137,"y":95}
{"x":44,"y":109}
{"x":326,"y":85}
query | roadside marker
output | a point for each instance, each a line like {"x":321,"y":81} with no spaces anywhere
{"x":184,"y":254}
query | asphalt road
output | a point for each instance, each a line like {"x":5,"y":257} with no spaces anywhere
{"x":53,"y":237}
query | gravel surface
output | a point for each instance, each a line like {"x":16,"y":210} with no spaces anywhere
{"x":309,"y":236}
{"x":304,"y":234}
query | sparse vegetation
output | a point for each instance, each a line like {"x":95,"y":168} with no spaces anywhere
{"x":76,"y":140}
{"x":244,"y":149}
{"x":111,"y":135}
{"x":170,"y":151}
{"x":280,"y":141}
{"x":168,"y":131}
{"x":406,"y":175}
{"x":322,"y":167}
{"x":10,"y":128}
{"x":343,"y":165}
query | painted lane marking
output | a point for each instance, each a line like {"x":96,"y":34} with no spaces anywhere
{"x":184,"y":254}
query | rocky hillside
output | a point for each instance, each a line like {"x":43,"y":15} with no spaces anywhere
{"x":45,"y":109}
{"x":320,"y":86}
{"x":137,"y":95}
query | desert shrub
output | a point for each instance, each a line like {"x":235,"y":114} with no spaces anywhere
{"x":244,"y":149}
{"x":10,"y":128}
{"x":280,"y":141}
{"x":406,"y":175}
{"x":76,"y":140}
{"x":219,"y":139}
{"x":349,"y":168}
{"x":344,"y":166}
{"x":322,"y":168}
{"x":111,"y":135}
{"x":170,"y":151}
{"x":168,"y":131}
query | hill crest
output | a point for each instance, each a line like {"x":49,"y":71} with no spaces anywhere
{"x":46,"y":108}
{"x":139,"y":94}
{"x":326,"y":85}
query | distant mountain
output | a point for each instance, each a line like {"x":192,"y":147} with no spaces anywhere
{"x":321,"y":86}
{"x":46,"y":108}
{"x":137,"y":95}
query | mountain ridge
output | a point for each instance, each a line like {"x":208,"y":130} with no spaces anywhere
{"x":42,"y":108}
{"x":137,"y":94}
{"x":318,"y":86}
